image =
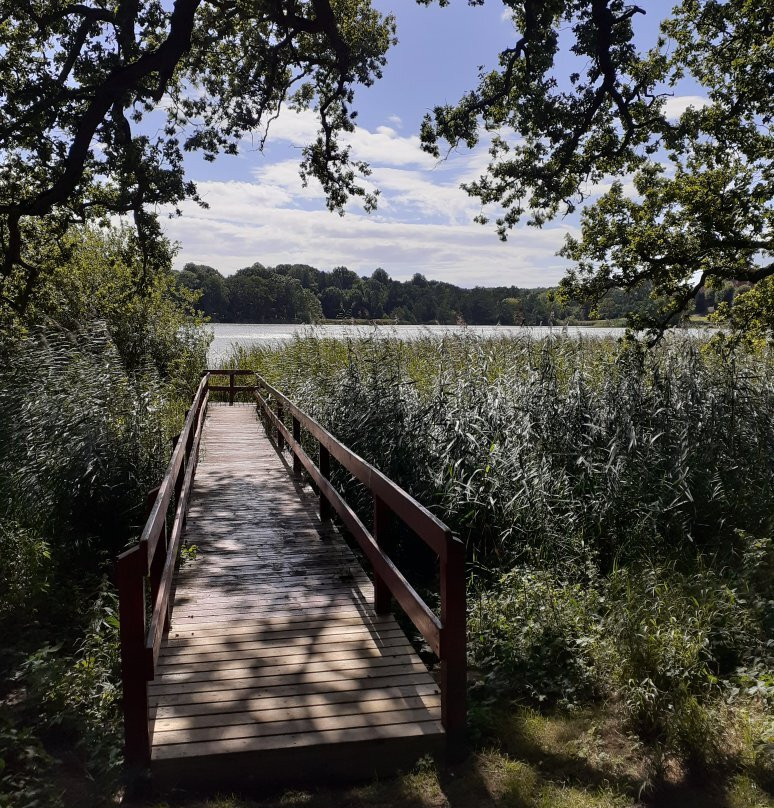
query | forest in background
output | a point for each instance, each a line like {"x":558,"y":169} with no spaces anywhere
{"x":290,"y":293}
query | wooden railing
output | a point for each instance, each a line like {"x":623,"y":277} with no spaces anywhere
{"x":149,"y":567}
{"x":445,"y":634}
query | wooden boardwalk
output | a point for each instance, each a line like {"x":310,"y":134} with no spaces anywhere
{"x":275,"y":665}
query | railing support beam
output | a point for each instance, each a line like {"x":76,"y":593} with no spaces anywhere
{"x":280,"y":437}
{"x":453,"y":649}
{"x":382,"y":594}
{"x":326,"y":512}
{"x":297,"y":466}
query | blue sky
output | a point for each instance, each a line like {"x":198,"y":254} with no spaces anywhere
{"x":259,"y":210}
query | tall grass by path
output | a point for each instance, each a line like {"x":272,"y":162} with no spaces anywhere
{"x":567,"y":449}
{"x":616,"y":504}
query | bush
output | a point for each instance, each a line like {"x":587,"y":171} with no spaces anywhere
{"x":534,"y":633}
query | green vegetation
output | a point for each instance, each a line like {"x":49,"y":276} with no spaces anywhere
{"x":91,"y":391}
{"x":78,"y":82}
{"x":577,"y":101}
{"x":299,"y":293}
{"x":615,"y":504}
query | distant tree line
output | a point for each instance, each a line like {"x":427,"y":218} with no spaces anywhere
{"x":301,"y":293}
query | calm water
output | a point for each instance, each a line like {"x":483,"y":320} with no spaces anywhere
{"x":228,"y":335}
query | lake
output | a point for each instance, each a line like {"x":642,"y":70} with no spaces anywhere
{"x":245,"y":335}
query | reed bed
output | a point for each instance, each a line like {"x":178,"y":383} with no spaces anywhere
{"x":615,"y":501}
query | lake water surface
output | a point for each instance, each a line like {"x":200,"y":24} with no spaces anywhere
{"x":228,"y":335}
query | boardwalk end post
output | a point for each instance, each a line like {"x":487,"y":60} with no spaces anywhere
{"x":231,"y":389}
{"x":382,"y":595}
{"x":453,"y":648}
{"x":131,"y":596}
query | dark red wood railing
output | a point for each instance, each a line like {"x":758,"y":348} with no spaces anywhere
{"x":445,"y":634}
{"x":149,"y":567}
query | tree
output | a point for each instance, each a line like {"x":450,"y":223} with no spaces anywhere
{"x":78,"y":79}
{"x":214,"y":292}
{"x":701,"y":210}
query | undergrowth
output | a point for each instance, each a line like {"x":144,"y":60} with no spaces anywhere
{"x":615,"y":503}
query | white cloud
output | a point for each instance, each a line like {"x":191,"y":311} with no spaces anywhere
{"x":395,"y":120}
{"x":675,"y":106}
{"x":424,"y":222}
{"x":384,"y":145}
{"x":242,"y":226}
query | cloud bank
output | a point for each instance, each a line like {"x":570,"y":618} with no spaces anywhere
{"x":424,"y":222}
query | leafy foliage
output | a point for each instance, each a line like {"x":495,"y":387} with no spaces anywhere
{"x":700,"y":210}
{"x":84,"y":133}
{"x":90,"y":394}
{"x":300,"y":293}
{"x":614,"y":502}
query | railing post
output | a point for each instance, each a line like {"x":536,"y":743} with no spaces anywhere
{"x":180,"y":473}
{"x":231,"y":389}
{"x":325,"y":470}
{"x":382,"y":596}
{"x":280,"y":438}
{"x":453,"y":648}
{"x":297,"y":439}
{"x":130,"y":574}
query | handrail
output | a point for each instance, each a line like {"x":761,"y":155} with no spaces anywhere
{"x":153,"y":527}
{"x":446,"y":635}
{"x":152,"y":560}
{"x":232,"y":389}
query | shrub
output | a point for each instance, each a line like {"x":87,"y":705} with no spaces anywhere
{"x":535,"y":633}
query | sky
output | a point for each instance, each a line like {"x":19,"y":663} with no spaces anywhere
{"x":259,"y":210}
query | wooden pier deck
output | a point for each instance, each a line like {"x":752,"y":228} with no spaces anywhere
{"x":269,"y":655}
{"x":273,"y":646}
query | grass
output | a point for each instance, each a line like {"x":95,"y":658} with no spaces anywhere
{"x":528,"y":760}
{"x":616,"y":507}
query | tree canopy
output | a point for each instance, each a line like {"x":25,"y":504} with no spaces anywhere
{"x":77,"y":81}
{"x":691,"y":205}
{"x":99,"y":101}
{"x":300,"y":293}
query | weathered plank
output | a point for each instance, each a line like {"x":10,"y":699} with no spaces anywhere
{"x":274,"y":652}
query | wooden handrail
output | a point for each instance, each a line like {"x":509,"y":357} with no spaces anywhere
{"x":425,"y":524}
{"x":153,"y":527}
{"x":232,"y":389}
{"x":152,"y":561}
{"x":446,"y":635}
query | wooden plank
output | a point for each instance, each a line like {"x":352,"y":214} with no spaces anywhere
{"x":172,"y":696}
{"x":240,"y":669}
{"x":237,"y":667}
{"x":259,"y":701}
{"x":289,"y":677}
{"x":314,"y":726}
{"x":298,"y":740}
{"x":187,"y":655}
{"x":263,"y":714}
{"x":274,"y":645}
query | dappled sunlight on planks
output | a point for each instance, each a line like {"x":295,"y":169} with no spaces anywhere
{"x":274,"y":644}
